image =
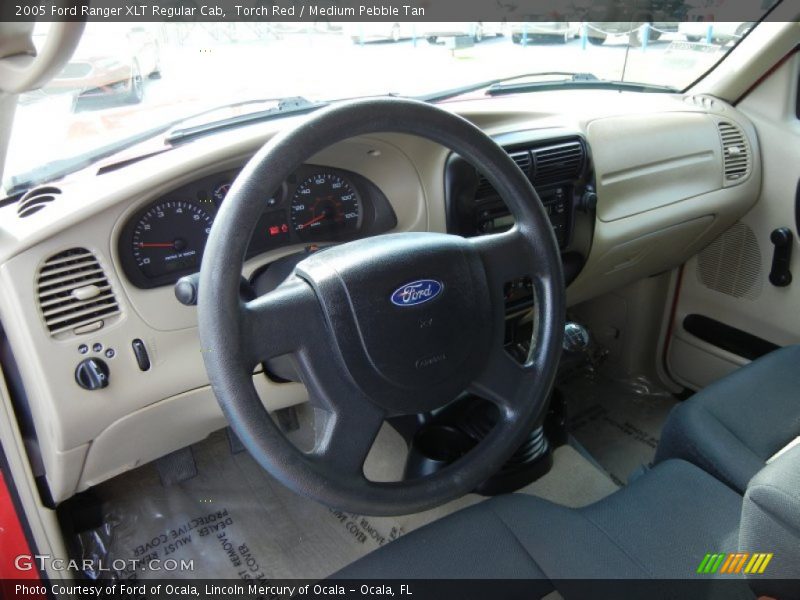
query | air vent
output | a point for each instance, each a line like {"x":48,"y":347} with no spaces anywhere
{"x":484,"y":188}
{"x":74,"y":292}
{"x":704,"y":102}
{"x":731,"y":264}
{"x":35,"y":200}
{"x":735,"y":153}
{"x":557,"y":163}
{"x":523,"y":160}
{"x":554,"y":164}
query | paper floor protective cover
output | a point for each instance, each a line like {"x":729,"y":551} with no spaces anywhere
{"x":618,"y":421}
{"x":234,"y":521}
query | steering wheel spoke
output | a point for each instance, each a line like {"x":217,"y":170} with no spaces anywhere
{"x":280,"y":321}
{"x":346,"y":437}
{"x":507,"y":256}
{"x":505,"y":382}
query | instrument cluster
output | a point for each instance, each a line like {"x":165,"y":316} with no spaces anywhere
{"x":165,"y":240}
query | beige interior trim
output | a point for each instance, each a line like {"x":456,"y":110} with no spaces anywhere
{"x":761,"y":309}
{"x":758,"y":52}
{"x":21,"y":67}
{"x":42,"y":521}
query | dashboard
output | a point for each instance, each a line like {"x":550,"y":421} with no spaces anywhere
{"x":90,"y":273}
{"x":166,"y":238}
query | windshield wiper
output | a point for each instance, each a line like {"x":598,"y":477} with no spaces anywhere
{"x":556,"y":80}
{"x":63,"y":167}
{"x":592,"y":83}
{"x":489,"y":83}
{"x":284,"y":106}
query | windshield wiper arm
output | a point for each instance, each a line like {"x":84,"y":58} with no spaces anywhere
{"x":62,"y":167}
{"x":285,"y":106}
{"x":593,"y":83}
{"x":562,"y":80}
{"x":489,"y":83}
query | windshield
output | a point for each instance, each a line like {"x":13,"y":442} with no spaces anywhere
{"x":127,"y":79}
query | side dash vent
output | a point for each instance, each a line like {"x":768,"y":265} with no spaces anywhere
{"x":74,"y":292}
{"x":735,"y":153}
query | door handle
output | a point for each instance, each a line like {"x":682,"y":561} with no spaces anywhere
{"x":783,"y":239}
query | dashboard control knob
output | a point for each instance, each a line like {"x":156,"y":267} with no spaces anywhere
{"x":588,"y":200}
{"x":92,"y":374}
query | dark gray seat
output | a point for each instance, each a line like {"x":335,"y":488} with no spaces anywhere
{"x":659,"y":527}
{"x":520,"y":536}
{"x":732,"y":427}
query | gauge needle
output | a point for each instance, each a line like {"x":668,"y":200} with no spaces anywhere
{"x":312,"y":221}
{"x":155,"y":245}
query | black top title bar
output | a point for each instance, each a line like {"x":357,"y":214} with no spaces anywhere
{"x":313,"y":11}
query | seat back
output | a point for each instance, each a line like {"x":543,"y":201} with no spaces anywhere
{"x":770,"y":528}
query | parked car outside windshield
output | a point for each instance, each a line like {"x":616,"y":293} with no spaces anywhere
{"x":159,"y":73}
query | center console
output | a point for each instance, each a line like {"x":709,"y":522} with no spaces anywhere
{"x":560,"y":170}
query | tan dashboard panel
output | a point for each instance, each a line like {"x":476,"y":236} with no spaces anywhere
{"x":660,"y":201}
{"x":73,"y":424}
{"x":165,"y":427}
{"x":644,"y":162}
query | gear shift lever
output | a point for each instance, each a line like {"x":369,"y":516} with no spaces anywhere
{"x":579,"y":350}
{"x":576,"y":337}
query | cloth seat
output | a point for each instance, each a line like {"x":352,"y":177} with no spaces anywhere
{"x":661,"y":526}
{"x":733,"y":426}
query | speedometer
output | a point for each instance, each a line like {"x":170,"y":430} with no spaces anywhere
{"x":325,"y":205}
{"x":170,"y":238}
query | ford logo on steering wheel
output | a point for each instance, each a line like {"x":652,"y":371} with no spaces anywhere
{"x":417,"y":292}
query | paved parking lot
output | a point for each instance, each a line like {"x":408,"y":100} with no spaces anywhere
{"x":199,"y":73}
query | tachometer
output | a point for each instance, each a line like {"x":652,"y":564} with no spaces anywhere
{"x":170,"y":238}
{"x":325,"y":205}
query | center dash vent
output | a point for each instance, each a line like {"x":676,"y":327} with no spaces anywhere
{"x":554,"y":164}
{"x":735,"y":153}
{"x":546,"y":165}
{"x":74,"y":292}
{"x":35,"y":200}
{"x":524,"y":162}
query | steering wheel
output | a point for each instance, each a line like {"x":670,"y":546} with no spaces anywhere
{"x":397,"y":324}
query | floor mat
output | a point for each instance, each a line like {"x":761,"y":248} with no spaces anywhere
{"x":232,"y":520}
{"x":617,"y":421}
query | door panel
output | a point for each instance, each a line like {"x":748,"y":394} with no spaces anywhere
{"x":727,"y":310}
